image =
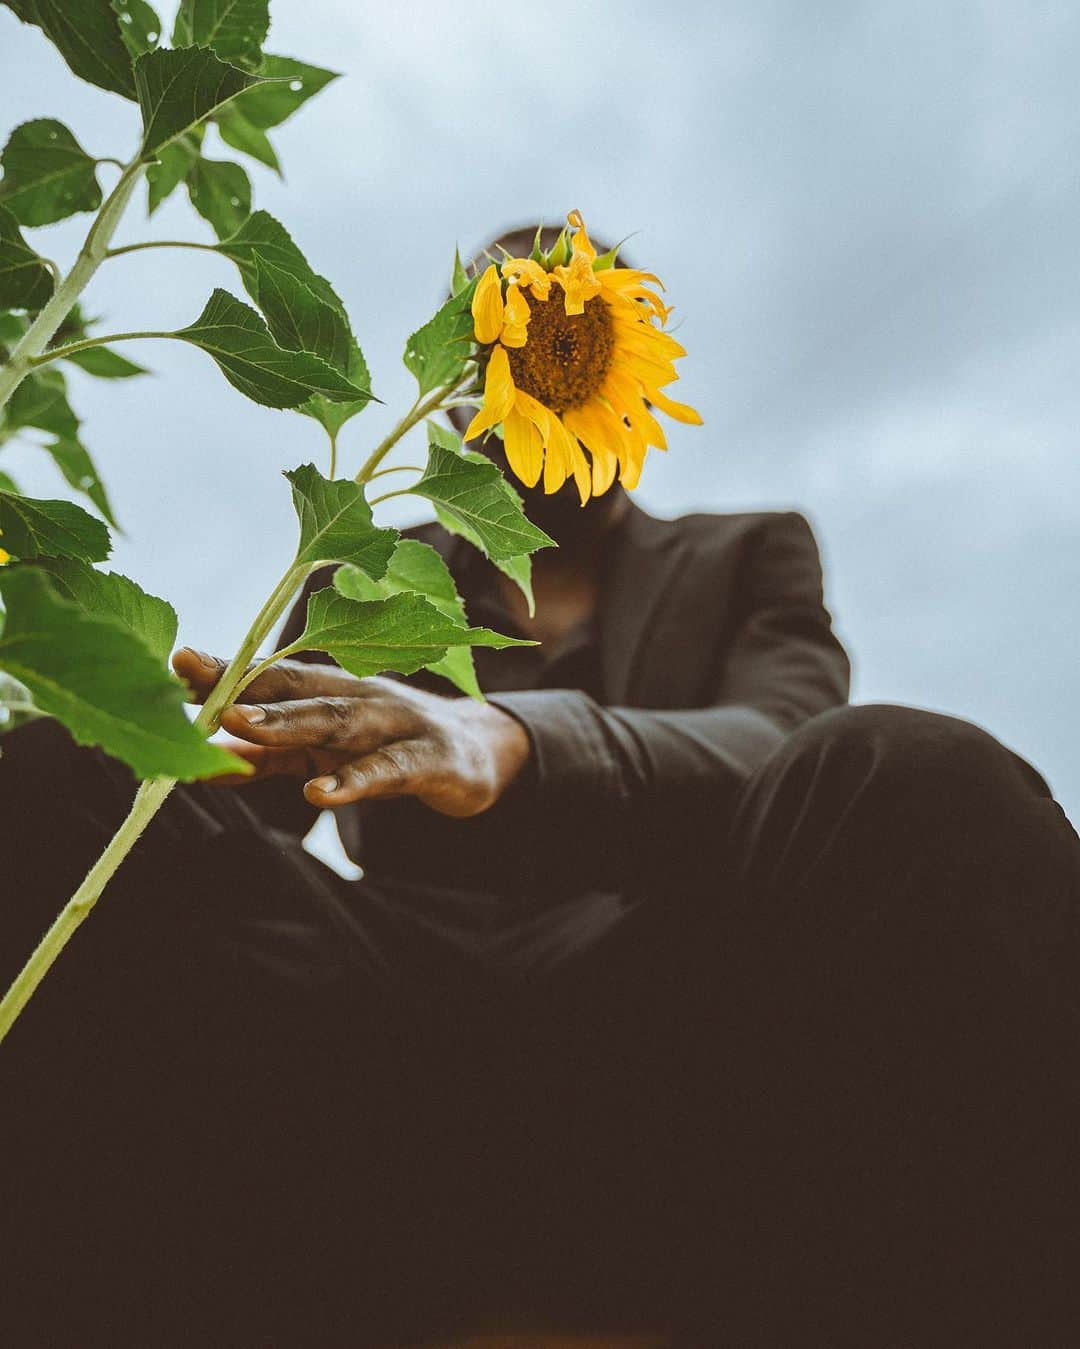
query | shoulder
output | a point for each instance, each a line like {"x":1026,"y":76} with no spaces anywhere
{"x":713,"y":531}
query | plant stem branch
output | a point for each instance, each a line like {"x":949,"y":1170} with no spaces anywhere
{"x":401,"y":492}
{"x":333,"y":454}
{"x":38,"y":336}
{"x":396,"y":468}
{"x":160,"y":243}
{"x":225,"y":689}
{"x":148,"y":801}
{"x":85,"y":343}
{"x":419,"y":410}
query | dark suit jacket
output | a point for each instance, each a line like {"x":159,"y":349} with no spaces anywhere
{"x":716,"y":644}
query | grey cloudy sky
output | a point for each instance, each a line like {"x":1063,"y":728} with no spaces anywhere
{"x":867,"y":215}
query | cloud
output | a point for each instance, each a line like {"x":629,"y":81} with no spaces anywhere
{"x":866,"y":215}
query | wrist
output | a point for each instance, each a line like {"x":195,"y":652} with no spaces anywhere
{"x":505,"y":740}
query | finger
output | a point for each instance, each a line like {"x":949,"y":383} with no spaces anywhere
{"x":392,"y":770}
{"x":198,"y":670}
{"x":271,"y":762}
{"x":295,"y":679}
{"x":284,"y":680}
{"x":355,"y":724}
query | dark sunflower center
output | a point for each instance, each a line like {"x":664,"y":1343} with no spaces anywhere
{"x":566,"y":357}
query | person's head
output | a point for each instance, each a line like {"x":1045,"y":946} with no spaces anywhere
{"x":560,"y":513}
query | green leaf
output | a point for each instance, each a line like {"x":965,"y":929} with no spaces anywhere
{"x":25,"y":281}
{"x":235,"y":29}
{"x":47,"y":174}
{"x":41,"y":401}
{"x":111,"y":595}
{"x":437,"y":352}
{"x":333,"y":416}
{"x":8,"y":484}
{"x":102,"y":682}
{"x":469,"y":490}
{"x":402,"y":633}
{"x":104,"y":363}
{"x":87,"y":35}
{"x":12,"y":328}
{"x":179,"y":89}
{"x":417,"y":568}
{"x":140,"y":27}
{"x":174,"y":162}
{"x":32,"y":528}
{"x":246,"y":137}
{"x":73,"y":460}
{"x":519,"y":570}
{"x":261,"y":238}
{"x":459,"y":278}
{"x":300,"y":319}
{"x":221,"y":192}
{"x":269,"y":105}
{"x":336,"y":523}
{"x":249,"y":358}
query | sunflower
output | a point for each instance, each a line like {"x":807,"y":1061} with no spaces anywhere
{"x":576,"y":354}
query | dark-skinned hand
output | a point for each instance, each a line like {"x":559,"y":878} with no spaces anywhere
{"x":352,"y":739}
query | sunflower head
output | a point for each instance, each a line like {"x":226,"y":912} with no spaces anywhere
{"x":575,"y":354}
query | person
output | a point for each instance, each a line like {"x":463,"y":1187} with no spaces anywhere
{"x":679,"y":993}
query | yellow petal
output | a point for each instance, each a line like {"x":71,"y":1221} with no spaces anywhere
{"x":559,"y":458}
{"x":582,"y":471}
{"x":681,"y":412}
{"x":515,"y":319}
{"x":487,"y":306}
{"x":526,"y":272}
{"x":539,"y":415}
{"x":579,"y":282}
{"x":524,"y":449}
{"x":603,"y":473}
{"x":498,"y":394}
{"x":5,"y":557}
{"x":582,"y":242}
{"x":571,"y":460}
{"x":586,"y":424}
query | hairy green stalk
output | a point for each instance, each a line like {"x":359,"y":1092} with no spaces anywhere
{"x":149,"y":799}
{"x":64,"y":298}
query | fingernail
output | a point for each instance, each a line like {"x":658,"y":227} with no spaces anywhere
{"x":253,"y":714}
{"x":204,"y":659}
{"x":325,"y":785}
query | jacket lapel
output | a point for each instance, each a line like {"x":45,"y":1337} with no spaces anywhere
{"x":642,"y":578}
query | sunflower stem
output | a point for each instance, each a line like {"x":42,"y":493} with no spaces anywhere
{"x":149,"y":798}
{"x":38,"y":336}
{"x":420,"y":409}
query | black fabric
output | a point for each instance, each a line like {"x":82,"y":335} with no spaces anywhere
{"x":829,"y":1097}
{"x":747,"y":1013}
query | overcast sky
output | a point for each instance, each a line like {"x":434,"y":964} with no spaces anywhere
{"x":867,"y":215}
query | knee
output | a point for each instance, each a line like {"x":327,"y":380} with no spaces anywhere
{"x":913,"y":751}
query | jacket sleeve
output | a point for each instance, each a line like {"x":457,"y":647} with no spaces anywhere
{"x":638,"y":783}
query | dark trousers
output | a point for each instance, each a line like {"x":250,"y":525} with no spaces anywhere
{"x":821,"y":1087}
